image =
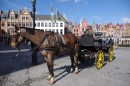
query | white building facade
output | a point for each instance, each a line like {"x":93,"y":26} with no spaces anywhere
{"x":44,"y":22}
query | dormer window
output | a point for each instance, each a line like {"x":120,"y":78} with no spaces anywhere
{"x":12,"y":17}
{"x":4,"y":17}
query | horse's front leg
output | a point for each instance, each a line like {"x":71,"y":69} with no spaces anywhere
{"x":50,"y":62}
{"x":34,"y":57}
{"x":72,"y":63}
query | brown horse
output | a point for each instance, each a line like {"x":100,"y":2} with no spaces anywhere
{"x":50,"y":45}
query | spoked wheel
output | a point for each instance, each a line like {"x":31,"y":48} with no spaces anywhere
{"x":111,"y":53}
{"x":99,"y":60}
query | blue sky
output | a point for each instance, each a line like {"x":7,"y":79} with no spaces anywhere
{"x":99,"y":11}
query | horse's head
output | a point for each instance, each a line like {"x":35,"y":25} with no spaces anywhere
{"x":17,"y":37}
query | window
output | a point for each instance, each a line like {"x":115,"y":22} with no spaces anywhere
{"x":8,"y":23}
{"x":38,"y":24}
{"x":53,"y":24}
{"x":19,"y":24}
{"x":30,"y":24}
{"x":61,"y":32}
{"x":8,"y":31}
{"x":27,"y":18}
{"x":3,"y":24}
{"x":42,"y":24}
{"x":23,"y":18}
{"x":12,"y":23}
{"x":12,"y":17}
{"x":61,"y":24}
{"x":3,"y":32}
{"x":57,"y":25}
{"x":57,"y":31}
{"x":4,"y":17}
{"x":27,"y":24}
{"x":23,"y":24}
{"x":45,"y":24}
{"x":49,"y":24}
{"x":12,"y":31}
{"x":53,"y":30}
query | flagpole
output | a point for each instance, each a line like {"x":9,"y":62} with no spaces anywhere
{"x":77,"y":13}
{"x":51,"y":16}
{"x":56,"y":15}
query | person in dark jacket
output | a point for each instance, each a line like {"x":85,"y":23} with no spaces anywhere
{"x":89,"y":31}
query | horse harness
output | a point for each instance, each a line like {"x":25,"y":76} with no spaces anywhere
{"x":59,"y":40}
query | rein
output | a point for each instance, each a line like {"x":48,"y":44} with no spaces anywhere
{"x":45,"y":48}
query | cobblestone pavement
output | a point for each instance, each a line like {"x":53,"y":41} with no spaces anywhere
{"x":16,"y":70}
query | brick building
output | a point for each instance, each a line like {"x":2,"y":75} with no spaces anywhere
{"x":8,"y":19}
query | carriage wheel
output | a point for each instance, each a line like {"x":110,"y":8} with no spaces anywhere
{"x":111,"y":53}
{"x":99,"y":60}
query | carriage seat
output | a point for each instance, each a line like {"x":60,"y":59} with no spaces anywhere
{"x":89,"y":40}
{"x":86,"y":40}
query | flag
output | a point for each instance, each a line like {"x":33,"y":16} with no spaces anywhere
{"x":52,"y":14}
{"x":64,"y":15}
{"x":81,"y":23}
{"x":122,"y":26}
{"x":61,"y":17}
{"x":97,"y":27}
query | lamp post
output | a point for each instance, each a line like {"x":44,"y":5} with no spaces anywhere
{"x":33,"y":12}
{"x":35,"y":51}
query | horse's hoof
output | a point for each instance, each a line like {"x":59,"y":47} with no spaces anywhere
{"x":48,"y":78}
{"x":51,"y":83}
{"x":71,"y":71}
{"x":75,"y":72}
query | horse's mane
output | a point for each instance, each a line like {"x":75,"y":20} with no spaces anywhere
{"x":32,"y":31}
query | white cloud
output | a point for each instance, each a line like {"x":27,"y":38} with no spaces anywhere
{"x":11,"y":4}
{"x":76,"y":1}
{"x":63,"y":0}
{"x":125,"y":20}
{"x":97,"y":17}
{"x":82,"y":1}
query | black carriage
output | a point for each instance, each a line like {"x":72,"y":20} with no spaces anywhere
{"x":95,"y":47}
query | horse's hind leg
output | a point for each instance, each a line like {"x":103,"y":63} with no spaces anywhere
{"x":72,"y":63}
{"x":76,"y":54}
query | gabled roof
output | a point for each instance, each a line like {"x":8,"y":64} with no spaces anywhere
{"x":84,"y":21}
{"x":43,"y":17}
{"x":17,"y":13}
{"x":110,"y":23}
{"x":117,"y":24}
{"x":4,"y":15}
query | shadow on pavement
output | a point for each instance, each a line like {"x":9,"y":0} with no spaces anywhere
{"x":15,"y":61}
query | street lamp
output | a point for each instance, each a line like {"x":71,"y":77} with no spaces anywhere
{"x":34,"y":54}
{"x":33,"y":12}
